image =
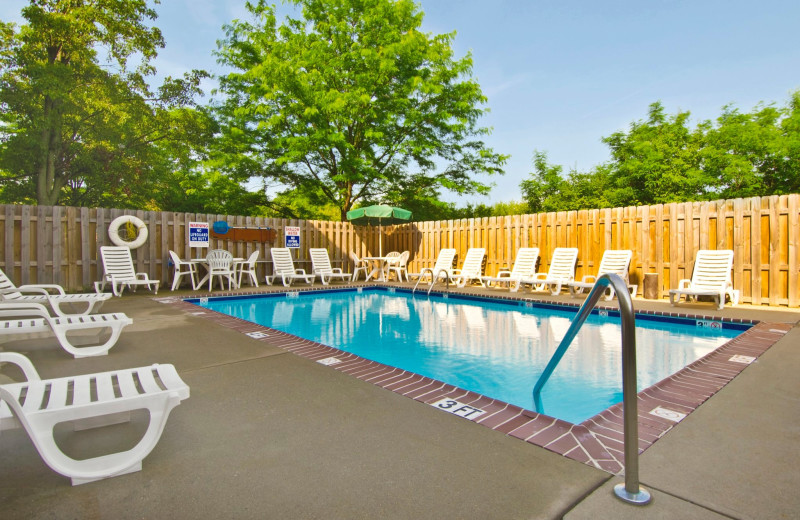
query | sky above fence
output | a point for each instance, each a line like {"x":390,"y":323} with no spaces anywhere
{"x":561,"y":75}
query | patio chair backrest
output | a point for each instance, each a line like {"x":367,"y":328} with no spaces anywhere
{"x":251,"y":260}
{"x":320,"y":261}
{"x":7,"y":285}
{"x":525,"y":262}
{"x":562,"y":266}
{"x":712,"y":269}
{"x":219,"y":260}
{"x":117,"y":262}
{"x":473,"y":261}
{"x":445,"y":260}
{"x":615,"y":261}
{"x":281,"y":260}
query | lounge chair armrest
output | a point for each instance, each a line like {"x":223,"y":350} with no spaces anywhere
{"x":684,"y":284}
{"x":22,"y":362}
{"x":589,"y":279}
{"x":337,"y":270}
{"x":539,"y":277}
{"x":41,"y":288}
{"x":300,"y":271}
{"x":141,"y":276}
{"x":501,"y":274}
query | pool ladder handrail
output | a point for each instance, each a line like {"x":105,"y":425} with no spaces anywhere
{"x":433,"y":279}
{"x":630,"y":491}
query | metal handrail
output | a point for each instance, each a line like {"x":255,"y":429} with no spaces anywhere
{"x":630,"y":491}
{"x":433,"y":280}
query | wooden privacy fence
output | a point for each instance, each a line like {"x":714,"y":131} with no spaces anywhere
{"x":61,"y":244}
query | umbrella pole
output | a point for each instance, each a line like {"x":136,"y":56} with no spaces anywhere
{"x":380,"y":238}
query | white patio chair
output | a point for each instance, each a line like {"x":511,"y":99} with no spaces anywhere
{"x":614,"y":261}
{"x":399,"y":267}
{"x":471,"y":268}
{"x":182,"y":268}
{"x":41,"y":293}
{"x":247,"y":267}
{"x":33,"y":318}
{"x":89,"y":401}
{"x":443,"y":265}
{"x":220,"y":264}
{"x":119,"y":272}
{"x":359,"y":265}
{"x":561,"y":272}
{"x":711,"y":276}
{"x":524,"y":267}
{"x":283,"y":268}
{"x":321,"y":266}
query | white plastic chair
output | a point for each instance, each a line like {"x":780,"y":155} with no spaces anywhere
{"x":321,"y":266}
{"x":41,"y":293}
{"x":90,"y":400}
{"x":561,"y":272}
{"x":471,"y":268}
{"x":283,"y":268}
{"x":398,"y":267}
{"x":182,"y":268}
{"x":524,"y":267}
{"x":247,"y":267}
{"x":614,"y":261}
{"x":119,"y":271}
{"x":220,"y":264}
{"x":359,"y":265}
{"x":711,"y":276}
{"x":28,"y":318}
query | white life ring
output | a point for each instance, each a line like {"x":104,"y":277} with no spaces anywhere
{"x":117,"y":223}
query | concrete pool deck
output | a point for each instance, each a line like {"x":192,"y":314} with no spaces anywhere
{"x":267,"y":434}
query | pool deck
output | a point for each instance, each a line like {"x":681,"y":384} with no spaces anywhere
{"x":270,"y":434}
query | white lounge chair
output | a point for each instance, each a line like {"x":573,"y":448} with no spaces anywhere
{"x":182,"y":268}
{"x":321,"y":266}
{"x":444,"y":264}
{"x":90,"y":400}
{"x":524,"y":267}
{"x":359,"y":265}
{"x":711,"y":276}
{"x":471,"y":267}
{"x":283,"y":268}
{"x":41,"y":294}
{"x":614,"y":261}
{"x":119,"y":272}
{"x":33,"y":318}
{"x":561,"y":271}
{"x":247,"y":267}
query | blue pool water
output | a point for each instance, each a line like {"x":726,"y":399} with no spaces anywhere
{"x":494,"y":348}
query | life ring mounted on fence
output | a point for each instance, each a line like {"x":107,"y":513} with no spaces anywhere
{"x":122,"y":223}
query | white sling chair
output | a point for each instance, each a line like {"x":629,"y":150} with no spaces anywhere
{"x":471,"y":268}
{"x":90,"y":401}
{"x":614,"y":261}
{"x":524,"y":267}
{"x":33,"y":318}
{"x":561,"y":271}
{"x":443,"y":265}
{"x":283,"y":268}
{"x":711,"y":276}
{"x":321,"y":266}
{"x":41,"y":294}
{"x":119,"y":271}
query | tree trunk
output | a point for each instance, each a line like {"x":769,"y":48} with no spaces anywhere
{"x":48,"y":180}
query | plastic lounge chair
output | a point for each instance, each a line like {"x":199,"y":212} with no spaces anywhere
{"x":524,"y":267}
{"x":561,"y":272}
{"x":358,"y":266}
{"x":614,"y":261}
{"x":471,"y":268}
{"x":33,"y":318}
{"x":444,"y":263}
{"x":711,"y":276}
{"x":220,"y":264}
{"x":321,"y":266}
{"x":182,"y":268}
{"x":119,"y":271}
{"x":90,"y":401}
{"x":399,"y":267}
{"x":283,"y":268}
{"x":12,"y":293}
{"x":247,"y":267}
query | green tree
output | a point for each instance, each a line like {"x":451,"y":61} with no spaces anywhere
{"x":350,"y":101}
{"x":75,"y":130}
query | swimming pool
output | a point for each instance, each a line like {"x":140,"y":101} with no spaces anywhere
{"x":495,"y":348}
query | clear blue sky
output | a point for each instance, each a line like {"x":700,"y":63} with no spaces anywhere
{"x":561,"y":75}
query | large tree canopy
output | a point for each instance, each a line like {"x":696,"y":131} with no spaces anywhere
{"x":351,"y":101}
{"x":78,"y":124}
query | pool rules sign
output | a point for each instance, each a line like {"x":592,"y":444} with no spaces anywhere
{"x":292,"y":236}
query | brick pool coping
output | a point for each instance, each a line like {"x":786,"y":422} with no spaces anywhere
{"x":598,"y":441}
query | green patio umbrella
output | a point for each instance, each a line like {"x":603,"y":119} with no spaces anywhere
{"x":378,"y":215}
